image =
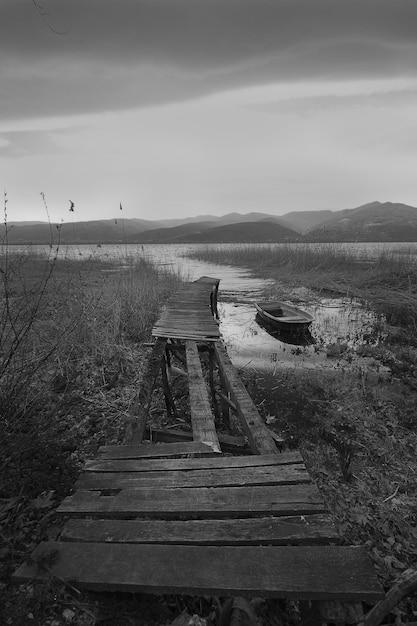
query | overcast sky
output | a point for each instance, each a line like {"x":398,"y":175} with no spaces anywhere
{"x":177,"y":108}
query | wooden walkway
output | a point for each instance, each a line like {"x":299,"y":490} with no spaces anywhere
{"x":182,"y":517}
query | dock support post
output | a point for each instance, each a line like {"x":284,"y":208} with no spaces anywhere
{"x":224,"y":401}
{"x":169,"y":401}
{"x":138,"y":412}
{"x":211,"y":382}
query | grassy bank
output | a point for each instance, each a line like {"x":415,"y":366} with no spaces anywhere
{"x":71,"y":361}
{"x":387,"y":283}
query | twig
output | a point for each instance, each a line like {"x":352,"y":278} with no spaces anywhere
{"x":392,"y":495}
{"x":41,"y":11}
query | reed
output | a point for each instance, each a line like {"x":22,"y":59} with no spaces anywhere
{"x":271,"y":257}
{"x":386,"y":282}
{"x":69,"y":334}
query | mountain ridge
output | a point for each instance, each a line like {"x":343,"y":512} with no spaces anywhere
{"x":374,"y":221}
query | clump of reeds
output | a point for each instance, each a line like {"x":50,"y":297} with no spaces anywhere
{"x":304,"y":257}
{"x":386,"y":282}
{"x":68,"y":329}
{"x":390,"y":286}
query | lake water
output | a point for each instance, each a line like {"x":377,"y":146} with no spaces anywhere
{"x":339,"y":323}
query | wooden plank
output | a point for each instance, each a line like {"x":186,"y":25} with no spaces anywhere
{"x":292,"y":572}
{"x":197,"y":323}
{"x":182,"y":322}
{"x":172,"y":325}
{"x":202,"y":419}
{"x":258,"y":434}
{"x":341,"y":612}
{"x":218,"y":462}
{"x":140,"y":406}
{"x":197,"y":502}
{"x":208,"y":279}
{"x":228,"y":443}
{"x":302,"y":530}
{"x":189,"y":304}
{"x":198,"y":313}
{"x":189,"y":315}
{"x":226,"y":477}
{"x":178,"y":335}
{"x":154,"y":451}
{"x":171,"y":330}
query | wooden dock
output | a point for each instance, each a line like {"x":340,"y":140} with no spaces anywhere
{"x":185,"y":518}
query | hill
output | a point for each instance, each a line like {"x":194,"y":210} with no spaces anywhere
{"x":303,"y":221}
{"x":229,"y":218}
{"x":375,"y":221}
{"x":96,"y":231}
{"x":170,"y":235}
{"x":264,"y":231}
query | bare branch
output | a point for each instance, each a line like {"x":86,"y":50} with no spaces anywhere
{"x":44,"y":15}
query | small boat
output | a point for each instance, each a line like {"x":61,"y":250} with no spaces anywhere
{"x":287,"y":335}
{"x":284,"y":316}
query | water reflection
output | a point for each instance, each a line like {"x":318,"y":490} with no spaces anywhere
{"x":251,"y":344}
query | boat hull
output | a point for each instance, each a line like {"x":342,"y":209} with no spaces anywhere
{"x":284,"y":316}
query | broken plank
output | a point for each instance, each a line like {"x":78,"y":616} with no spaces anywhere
{"x":205,"y":502}
{"x":235,"y":444}
{"x":202,"y":419}
{"x":172,"y":330}
{"x":218,"y":462}
{"x":255,"y":429}
{"x":291,"y":572}
{"x":154,"y":451}
{"x":226,"y":477}
{"x":185,"y":335}
{"x":301,"y":530}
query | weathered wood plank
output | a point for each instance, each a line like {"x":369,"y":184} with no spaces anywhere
{"x":172,"y":330}
{"x":228,"y":443}
{"x":292,"y":572}
{"x":140,"y":406}
{"x":205,"y":502}
{"x":189,"y":314}
{"x":302,"y":530}
{"x":218,"y":462}
{"x":197,"y":324}
{"x":258,"y":434}
{"x":183,"y":335}
{"x":202,"y":419}
{"x":154,"y":451}
{"x":226,"y":477}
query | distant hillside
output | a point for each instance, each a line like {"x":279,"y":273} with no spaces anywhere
{"x":170,"y":235}
{"x":375,"y":221}
{"x":171,"y":223}
{"x":239,"y":218}
{"x":264,"y":231}
{"x":97,"y":231}
{"x":302,"y":221}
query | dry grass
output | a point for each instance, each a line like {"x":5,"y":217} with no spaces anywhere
{"x":70,"y":366}
{"x":67,"y":329}
{"x":387,"y":283}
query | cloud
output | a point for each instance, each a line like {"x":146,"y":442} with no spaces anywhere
{"x":27,"y":143}
{"x":145,"y":52}
{"x":339,"y":103}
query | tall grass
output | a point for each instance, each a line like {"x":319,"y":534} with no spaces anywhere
{"x":295,"y":256}
{"x":69,"y":334}
{"x":387,"y":282}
